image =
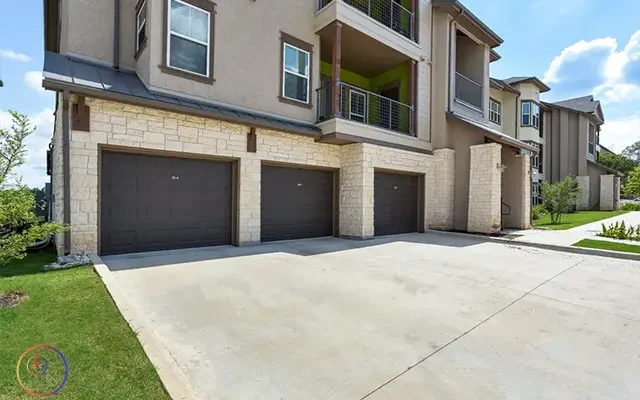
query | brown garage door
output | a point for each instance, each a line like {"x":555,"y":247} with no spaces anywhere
{"x":154,"y":203}
{"x":296,"y":203}
{"x":395,"y":203}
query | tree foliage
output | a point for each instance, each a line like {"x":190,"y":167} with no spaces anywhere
{"x":633,"y":152}
{"x":560,"y":197}
{"x":632,"y":186}
{"x":617,"y":162}
{"x":19,"y":226}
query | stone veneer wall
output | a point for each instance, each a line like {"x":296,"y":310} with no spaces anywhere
{"x":485,"y":189}
{"x":582,"y":202}
{"x":57,"y":175}
{"x":117,"y":124}
{"x":607,"y":196}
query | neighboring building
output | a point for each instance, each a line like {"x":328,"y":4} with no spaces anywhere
{"x":572,"y":134}
{"x":519,"y":97}
{"x":184,"y":123}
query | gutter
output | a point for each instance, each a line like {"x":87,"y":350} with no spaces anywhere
{"x":66,"y":171}
{"x":116,"y":34}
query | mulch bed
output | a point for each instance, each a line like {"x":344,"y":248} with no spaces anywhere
{"x":12,"y":299}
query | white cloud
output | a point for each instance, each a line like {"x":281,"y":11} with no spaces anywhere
{"x":572,"y":52}
{"x":619,"y":133}
{"x":614,"y":87}
{"x":12,"y":55}
{"x":33,"y":173}
{"x":33,"y":79}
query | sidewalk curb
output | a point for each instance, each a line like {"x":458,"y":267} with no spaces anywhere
{"x":567,"y":249}
{"x":176,"y":383}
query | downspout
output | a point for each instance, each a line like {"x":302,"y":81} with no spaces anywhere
{"x":450,"y":58}
{"x":116,"y":34}
{"x":66,"y":172}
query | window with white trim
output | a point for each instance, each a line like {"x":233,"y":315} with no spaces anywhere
{"x":141,"y":26}
{"x":295,"y":70}
{"x":530,"y":114}
{"x":535,"y":193}
{"x":188,"y":42}
{"x":535,"y":156}
{"x":495,"y":111}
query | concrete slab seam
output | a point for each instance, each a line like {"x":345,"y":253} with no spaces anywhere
{"x":173,"y":378}
{"x":469,"y":331}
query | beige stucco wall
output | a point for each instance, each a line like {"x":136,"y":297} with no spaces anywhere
{"x":439,"y":80}
{"x":460,"y":137}
{"x":528,"y":91}
{"x":594,"y":184}
{"x":126,"y":126}
{"x":485,"y":189}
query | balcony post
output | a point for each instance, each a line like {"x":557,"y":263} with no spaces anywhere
{"x":412,"y":96}
{"x":337,"y":57}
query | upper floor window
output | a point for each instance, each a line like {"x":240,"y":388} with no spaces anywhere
{"x":189,"y":38}
{"x":535,"y":157}
{"x":592,"y":139}
{"x":141,"y":25}
{"x":295,"y":71}
{"x":530,"y":114}
{"x":495,"y":111}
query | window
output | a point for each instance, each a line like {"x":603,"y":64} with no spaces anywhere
{"x":540,"y":158}
{"x":535,"y":157}
{"x":189,"y":29}
{"x":530,"y":114}
{"x":295,"y":78}
{"x":141,"y":26}
{"x":592,"y":139}
{"x":535,"y":193}
{"x":495,"y":111}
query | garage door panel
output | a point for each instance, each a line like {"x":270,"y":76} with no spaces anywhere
{"x":296,"y":203}
{"x":395,"y":203}
{"x":162,"y":203}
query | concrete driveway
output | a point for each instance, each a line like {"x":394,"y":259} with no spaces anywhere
{"x":422,"y":316}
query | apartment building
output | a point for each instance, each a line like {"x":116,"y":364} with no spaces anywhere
{"x":572,"y":132}
{"x":185,"y":123}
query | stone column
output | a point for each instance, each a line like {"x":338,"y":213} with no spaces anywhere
{"x":516,"y":189}
{"x":616,"y":193}
{"x":485,"y":188}
{"x":356,"y":192}
{"x":249,"y":178}
{"x":582,"y":202}
{"x":606,"y":192}
{"x":440,"y":189}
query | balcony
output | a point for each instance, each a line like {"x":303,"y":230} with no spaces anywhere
{"x":469,"y":91}
{"x":359,"y":105}
{"x":389,"y":13}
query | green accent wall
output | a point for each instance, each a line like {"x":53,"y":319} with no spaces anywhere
{"x":400,"y":73}
{"x":346,"y":76}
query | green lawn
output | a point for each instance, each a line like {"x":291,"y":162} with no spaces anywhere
{"x":576,"y":219}
{"x":72,"y":311}
{"x":606,"y":245}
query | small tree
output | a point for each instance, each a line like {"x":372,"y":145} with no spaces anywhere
{"x":617,"y":162}
{"x":560,"y":197}
{"x":19,"y":226}
{"x":632,"y":187}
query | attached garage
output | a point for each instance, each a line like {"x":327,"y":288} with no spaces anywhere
{"x":296,"y":203}
{"x":151,"y":203}
{"x":398,"y":203}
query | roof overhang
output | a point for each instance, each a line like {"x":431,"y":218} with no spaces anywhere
{"x":501,"y":85}
{"x":467,"y":19}
{"x":494,"y":56}
{"x":63,"y":73}
{"x":541,"y":85}
{"x":611,"y":170}
{"x":594,"y":116}
{"x":492,"y":133}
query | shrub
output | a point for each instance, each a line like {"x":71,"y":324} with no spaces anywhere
{"x":619,"y":230}
{"x":560,"y":197}
{"x":538,"y":211}
{"x":630,"y":207}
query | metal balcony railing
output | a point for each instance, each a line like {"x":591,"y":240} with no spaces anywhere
{"x":387,"y":12}
{"x":469,"y":91}
{"x":366,"y":107}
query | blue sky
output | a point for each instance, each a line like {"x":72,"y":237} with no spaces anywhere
{"x":579,"y":47}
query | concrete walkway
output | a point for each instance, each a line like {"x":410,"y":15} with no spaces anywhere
{"x":571,"y":236}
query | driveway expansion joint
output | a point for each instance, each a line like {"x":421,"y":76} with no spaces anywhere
{"x":468,"y":331}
